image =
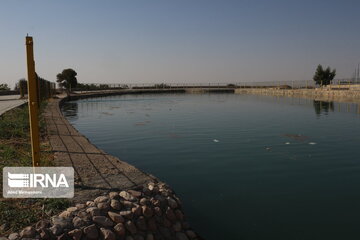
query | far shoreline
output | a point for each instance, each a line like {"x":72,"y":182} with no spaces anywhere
{"x":318,"y":94}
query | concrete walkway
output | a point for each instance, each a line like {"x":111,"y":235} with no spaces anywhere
{"x":96,"y":172}
{"x":9,"y":102}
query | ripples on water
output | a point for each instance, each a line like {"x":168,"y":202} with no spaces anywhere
{"x":246,"y":167}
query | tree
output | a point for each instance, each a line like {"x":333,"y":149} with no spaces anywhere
{"x":324,"y":77}
{"x":67,"y":78}
{"x":4,"y":86}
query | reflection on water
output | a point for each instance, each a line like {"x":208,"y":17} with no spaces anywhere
{"x":245,"y":167}
{"x":323,"y":107}
{"x":70,"y":110}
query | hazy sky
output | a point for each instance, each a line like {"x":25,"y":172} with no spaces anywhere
{"x":180,"y":41}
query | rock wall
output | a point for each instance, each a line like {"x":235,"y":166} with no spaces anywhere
{"x":352,"y":96}
{"x":148,"y":213}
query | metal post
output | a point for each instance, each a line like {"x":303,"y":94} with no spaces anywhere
{"x":33,"y":102}
{"x":48,"y":88}
{"x":22,"y":90}
{"x":37,"y":83}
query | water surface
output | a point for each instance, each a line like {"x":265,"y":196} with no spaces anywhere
{"x":245,"y":167}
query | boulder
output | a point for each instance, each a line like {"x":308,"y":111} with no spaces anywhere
{"x":91,"y":232}
{"x":75,"y":234}
{"x":115,"y":217}
{"x":107,"y":234}
{"x":114,"y":195}
{"x":14,"y":236}
{"x":120,"y":229}
{"x":28,"y":232}
{"x":101,"y":199}
{"x":134,"y":193}
{"x":147,"y":211}
{"x":130,"y":226}
{"x":102,"y":221}
{"x":127,"y":196}
{"x":115,"y":204}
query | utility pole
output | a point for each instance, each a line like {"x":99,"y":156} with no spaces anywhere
{"x":33,"y":102}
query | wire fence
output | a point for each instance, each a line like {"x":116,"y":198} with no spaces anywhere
{"x":298,"y":84}
{"x":45,"y":88}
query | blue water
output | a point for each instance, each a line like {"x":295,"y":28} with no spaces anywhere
{"x":245,"y":167}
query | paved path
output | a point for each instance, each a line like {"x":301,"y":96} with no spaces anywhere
{"x":9,"y":102}
{"x":96,"y":172}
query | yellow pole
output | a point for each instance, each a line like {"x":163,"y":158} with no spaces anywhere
{"x":33,"y":102}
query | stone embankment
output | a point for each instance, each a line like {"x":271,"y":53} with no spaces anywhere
{"x":144,"y":213}
{"x":95,"y":171}
{"x":339,"y":93}
{"x":321,"y":94}
{"x":102,"y":93}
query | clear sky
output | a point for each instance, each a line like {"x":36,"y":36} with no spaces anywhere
{"x":154,"y":41}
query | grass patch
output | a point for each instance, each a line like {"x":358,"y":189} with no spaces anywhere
{"x":15,"y":151}
{"x":15,"y":123}
{"x":19,"y":213}
{"x":15,"y":146}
